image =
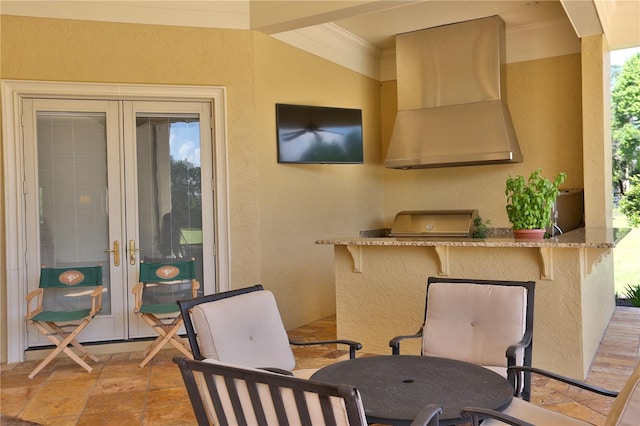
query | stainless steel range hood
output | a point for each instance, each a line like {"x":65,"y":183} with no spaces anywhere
{"x":451,"y":110}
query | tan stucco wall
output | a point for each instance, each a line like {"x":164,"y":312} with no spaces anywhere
{"x":597,"y":304}
{"x":597,"y":131}
{"x":276,"y":212}
{"x":300,"y":204}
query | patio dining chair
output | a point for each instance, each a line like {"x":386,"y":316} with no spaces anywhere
{"x":624,"y":411}
{"x":228,"y":394}
{"x":159,"y":286}
{"x":485,"y":322}
{"x":244,"y":327}
{"x":66,"y":301}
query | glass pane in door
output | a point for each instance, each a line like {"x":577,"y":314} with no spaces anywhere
{"x":72,"y":195}
{"x":169,"y":187}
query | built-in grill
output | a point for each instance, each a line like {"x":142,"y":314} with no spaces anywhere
{"x":434,"y":223}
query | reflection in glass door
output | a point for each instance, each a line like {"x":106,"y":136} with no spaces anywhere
{"x":169,"y":178}
{"x":169,"y":187}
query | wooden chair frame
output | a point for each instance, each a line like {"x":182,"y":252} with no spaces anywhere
{"x":52,"y":324}
{"x":167,"y":328}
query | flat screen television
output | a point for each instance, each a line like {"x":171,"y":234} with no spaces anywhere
{"x":316,"y":134}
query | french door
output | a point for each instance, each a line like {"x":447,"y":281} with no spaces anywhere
{"x":117,"y":182}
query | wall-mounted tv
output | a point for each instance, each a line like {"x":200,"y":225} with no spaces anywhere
{"x":315,"y":134}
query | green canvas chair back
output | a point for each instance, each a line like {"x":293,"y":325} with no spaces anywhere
{"x":65,"y":296}
{"x":164,"y":284}
{"x":167,"y":271}
{"x":86,"y":276}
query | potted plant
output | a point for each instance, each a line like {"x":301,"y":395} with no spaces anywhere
{"x":530,"y":203}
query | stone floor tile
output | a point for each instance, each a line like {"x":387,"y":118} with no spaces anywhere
{"x":132,"y":402}
{"x":39,"y":408}
{"x":175,"y":415}
{"x":119,"y":384}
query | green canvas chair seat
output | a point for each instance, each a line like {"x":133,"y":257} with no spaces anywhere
{"x":159,"y":308}
{"x":74,"y":283}
{"x":160,"y":286}
{"x":61,"y":316}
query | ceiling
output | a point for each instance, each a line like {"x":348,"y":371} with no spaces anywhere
{"x":361,"y":34}
{"x":378,"y":22}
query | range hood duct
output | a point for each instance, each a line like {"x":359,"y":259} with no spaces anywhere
{"x":450,"y":106}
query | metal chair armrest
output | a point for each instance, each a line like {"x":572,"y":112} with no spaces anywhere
{"x":476,"y":414}
{"x":277,"y":371}
{"x":511,"y":350}
{"x":429,"y":415}
{"x":353,"y":346}
{"x":568,"y":380}
{"x":395,"y":342}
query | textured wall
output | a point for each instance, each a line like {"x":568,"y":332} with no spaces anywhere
{"x":300,"y":204}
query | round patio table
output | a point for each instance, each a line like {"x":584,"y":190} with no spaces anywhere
{"x":395,"y":387}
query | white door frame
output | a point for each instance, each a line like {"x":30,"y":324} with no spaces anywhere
{"x":12,"y":92}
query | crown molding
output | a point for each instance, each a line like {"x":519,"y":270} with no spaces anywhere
{"x":333,"y":43}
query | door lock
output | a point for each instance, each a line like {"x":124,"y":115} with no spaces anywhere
{"x":116,"y":252}
{"x":132,"y":252}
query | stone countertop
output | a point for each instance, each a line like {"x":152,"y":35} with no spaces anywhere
{"x":578,"y":238}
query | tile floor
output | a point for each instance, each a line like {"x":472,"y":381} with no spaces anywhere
{"x":118,"y":392}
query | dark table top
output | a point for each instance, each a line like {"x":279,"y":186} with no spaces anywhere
{"x":395,"y":387}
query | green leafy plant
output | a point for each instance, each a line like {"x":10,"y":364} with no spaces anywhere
{"x":630,"y":202}
{"x":480,"y":227}
{"x":530,"y":203}
{"x":632,"y":293}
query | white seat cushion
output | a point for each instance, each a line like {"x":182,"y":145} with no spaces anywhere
{"x":245,"y":330}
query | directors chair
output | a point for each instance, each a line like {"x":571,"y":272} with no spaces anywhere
{"x":64,"y":297}
{"x":159,"y":286}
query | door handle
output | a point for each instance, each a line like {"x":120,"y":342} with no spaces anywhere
{"x":116,"y":252}
{"x":132,"y":252}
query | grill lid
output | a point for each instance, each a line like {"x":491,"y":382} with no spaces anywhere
{"x":433,"y":223}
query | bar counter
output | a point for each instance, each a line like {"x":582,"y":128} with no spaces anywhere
{"x":380,"y":285}
{"x":578,"y":238}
